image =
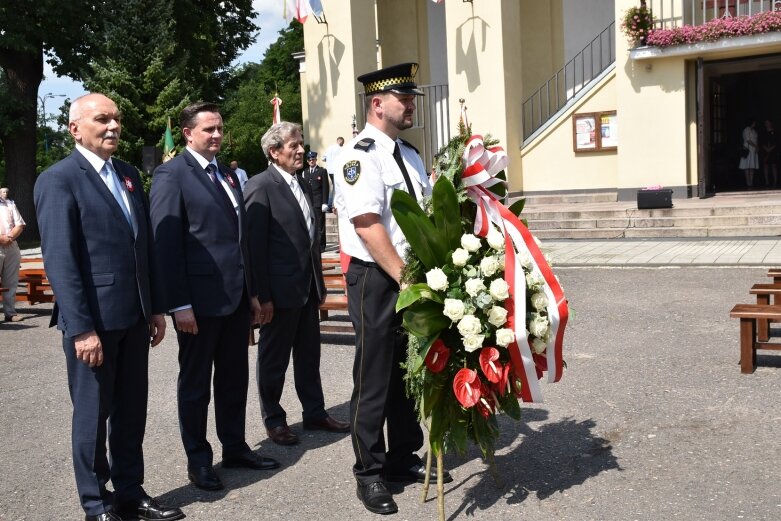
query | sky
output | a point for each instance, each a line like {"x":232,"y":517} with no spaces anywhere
{"x":268,"y":18}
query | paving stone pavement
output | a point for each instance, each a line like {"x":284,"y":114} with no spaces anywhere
{"x":651,"y":421}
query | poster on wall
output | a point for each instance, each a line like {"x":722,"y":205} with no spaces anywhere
{"x":585,"y":132}
{"x":595,"y":131}
{"x":609,"y":131}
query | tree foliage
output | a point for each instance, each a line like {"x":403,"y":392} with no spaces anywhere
{"x":247,"y":107}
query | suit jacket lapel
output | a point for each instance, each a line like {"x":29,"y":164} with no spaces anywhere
{"x":101,"y":188}
{"x":202,"y":177}
{"x":287,"y":193}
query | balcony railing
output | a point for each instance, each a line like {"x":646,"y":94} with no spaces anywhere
{"x":675,"y":13}
{"x":568,"y":81}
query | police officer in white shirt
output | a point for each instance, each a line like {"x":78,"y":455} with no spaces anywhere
{"x":371,"y":166}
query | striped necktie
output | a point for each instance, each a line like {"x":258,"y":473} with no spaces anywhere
{"x":299,"y":195}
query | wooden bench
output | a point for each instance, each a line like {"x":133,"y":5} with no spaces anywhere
{"x":775,"y":274}
{"x":750,"y":315}
{"x":763,"y":293}
{"x":36,"y":287}
{"x":335,"y":300}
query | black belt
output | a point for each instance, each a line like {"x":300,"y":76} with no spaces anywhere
{"x":359,"y":262}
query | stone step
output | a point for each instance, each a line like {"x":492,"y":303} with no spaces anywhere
{"x":595,"y":197}
{"x":659,"y":232}
{"x":658,"y":222}
{"x":538,"y":214}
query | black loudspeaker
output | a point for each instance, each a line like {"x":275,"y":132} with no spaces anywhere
{"x":647,"y":199}
{"x":150,"y":158}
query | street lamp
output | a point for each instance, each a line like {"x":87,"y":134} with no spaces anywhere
{"x":45,"y":117}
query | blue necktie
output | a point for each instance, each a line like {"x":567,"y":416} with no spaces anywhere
{"x":116,"y":191}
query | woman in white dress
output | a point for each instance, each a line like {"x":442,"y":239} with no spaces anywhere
{"x":750,"y":162}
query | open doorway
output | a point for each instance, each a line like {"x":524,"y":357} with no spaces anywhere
{"x":738,"y":92}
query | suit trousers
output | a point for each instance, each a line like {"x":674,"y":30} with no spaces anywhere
{"x":221,"y":343}
{"x":295,"y":330}
{"x":10,"y":260}
{"x":115,"y":391}
{"x":378,"y":378}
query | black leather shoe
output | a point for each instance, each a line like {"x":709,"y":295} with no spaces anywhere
{"x":147,"y":509}
{"x":416,"y":473}
{"x":250,"y":460}
{"x":376,"y":498}
{"x":327,"y":424}
{"x":205,"y":478}
{"x":105,"y":516}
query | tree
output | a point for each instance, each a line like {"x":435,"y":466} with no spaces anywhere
{"x":65,"y":33}
{"x":153,"y":57}
{"x":247,"y":106}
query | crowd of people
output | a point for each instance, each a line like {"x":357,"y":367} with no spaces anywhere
{"x":235,"y":252}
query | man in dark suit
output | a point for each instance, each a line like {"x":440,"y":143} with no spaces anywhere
{"x":317,"y":178}
{"x":96,"y":239}
{"x":284,"y":247}
{"x":201,"y":241}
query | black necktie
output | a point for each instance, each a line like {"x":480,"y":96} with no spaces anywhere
{"x":400,"y":162}
{"x":214,"y":175}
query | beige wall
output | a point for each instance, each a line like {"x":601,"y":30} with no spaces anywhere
{"x":336,"y":53}
{"x":484,"y":52}
{"x":550,"y":162}
{"x":542,"y":37}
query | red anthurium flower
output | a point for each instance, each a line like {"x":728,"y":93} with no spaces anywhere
{"x":502,"y":385}
{"x":466,"y":386}
{"x":488,"y":363}
{"x":487,"y":403}
{"x":437,"y":356}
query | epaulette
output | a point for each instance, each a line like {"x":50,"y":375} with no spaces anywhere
{"x":364,"y":144}
{"x":410,"y":145}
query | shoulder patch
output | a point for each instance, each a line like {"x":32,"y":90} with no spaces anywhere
{"x":411,"y":146}
{"x":351,"y":171}
{"x":364,"y":144}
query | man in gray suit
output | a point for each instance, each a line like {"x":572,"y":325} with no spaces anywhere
{"x":96,"y":238}
{"x":285,"y":251}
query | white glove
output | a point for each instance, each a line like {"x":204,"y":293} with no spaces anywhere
{"x":324,"y":208}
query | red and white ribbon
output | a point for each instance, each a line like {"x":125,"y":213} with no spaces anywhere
{"x":481,"y":166}
{"x":276,"y":116}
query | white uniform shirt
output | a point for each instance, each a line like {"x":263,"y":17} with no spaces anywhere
{"x":331,"y":158}
{"x":365,"y":181}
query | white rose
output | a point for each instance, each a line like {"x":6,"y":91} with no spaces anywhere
{"x":470,"y":242}
{"x":460,"y":256}
{"x":489,"y":265}
{"x":499,"y":289}
{"x":525,"y":259}
{"x":469,"y":325}
{"x":436,"y":279}
{"x":497,"y":316}
{"x":504,"y":337}
{"x":473,"y":342}
{"x":539,"y":325}
{"x":539,"y":345}
{"x":454,"y":309}
{"x":495,"y":239}
{"x":534,"y":280}
{"x":473,"y":287}
{"x":539,"y":301}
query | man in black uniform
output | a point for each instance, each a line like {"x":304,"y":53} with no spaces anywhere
{"x":317,"y":177}
{"x":371,"y":167}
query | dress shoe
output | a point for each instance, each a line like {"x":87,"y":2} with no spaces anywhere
{"x":105,"y":516}
{"x":204,"y":478}
{"x":376,"y":498}
{"x":148,"y":509}
{"x":282,"y":435}
{"x":416,"y":473}
{"x":327,"y":424}
{"x":250,"y":460}
{"x":14,"y":318}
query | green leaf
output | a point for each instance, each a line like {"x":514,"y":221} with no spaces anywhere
{"x":517,"y":207}
{"x":439,"y":426}
{"x":425,"y":344}
{"x":425,"y":318}
{"x":459,"y":428}
{"x":416,"y":292}
{"x":510,"y":406}
{"x":423,"y":237}
{"x":433,"y":385}
{"x":447,"y":213}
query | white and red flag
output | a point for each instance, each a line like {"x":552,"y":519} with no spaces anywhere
{"x":276,"y":116}
{"x":298,"y":9}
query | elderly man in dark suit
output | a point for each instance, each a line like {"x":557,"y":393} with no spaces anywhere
{"x":285,"y":251}
{"x":201,"y":241}
{"x":317,"y":178}
{"x":96,"y":238}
